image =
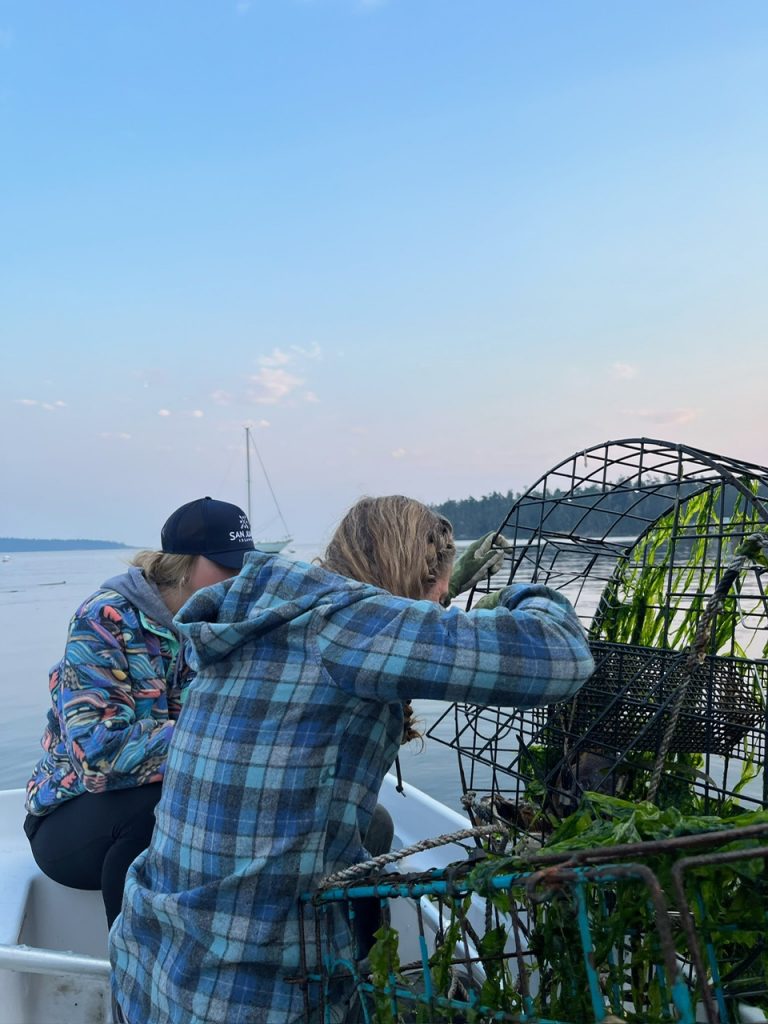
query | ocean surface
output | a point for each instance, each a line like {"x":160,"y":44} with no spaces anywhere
{"x":39,"y":591}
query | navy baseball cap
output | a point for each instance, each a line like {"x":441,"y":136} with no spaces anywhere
{"x":215,"y":529}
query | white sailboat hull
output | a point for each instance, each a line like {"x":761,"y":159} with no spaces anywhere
{"x":272,"y":547}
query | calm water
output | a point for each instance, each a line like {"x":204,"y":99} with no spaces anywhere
{"x":39,"y":591}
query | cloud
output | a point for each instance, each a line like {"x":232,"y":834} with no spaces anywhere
{"x":198,"y":414}
{"x":274,"y":382}
{"x":221,"y":397}
{"x":243,"y":6}
{"x":48,"y":406}
{"x":623,"y":371}
{"x":272,"y":385}
{"x":163,"y":412}
{"x":665,"y":416}
{"x":685,"y":416}
{"x":399,"y":453}
{"x":314,"y":351}
{"x":278,"y":358}
{"x":116,"y":437}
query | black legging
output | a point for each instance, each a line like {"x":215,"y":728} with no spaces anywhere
{"x":89,"y":841}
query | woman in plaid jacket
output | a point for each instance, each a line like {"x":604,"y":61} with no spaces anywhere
{"x":294,"y":718}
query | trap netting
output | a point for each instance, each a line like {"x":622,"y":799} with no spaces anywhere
{"x":627,"y":933}
{"x":661,"y":548}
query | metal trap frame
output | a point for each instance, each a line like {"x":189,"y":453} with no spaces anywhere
{"x":647,"y":539}
{"x":539,"y":940}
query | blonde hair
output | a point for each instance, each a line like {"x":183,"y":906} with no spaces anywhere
{"x":164,"y":570}
{"x":395,"y":543}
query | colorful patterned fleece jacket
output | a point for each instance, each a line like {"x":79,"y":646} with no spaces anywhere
{"x":115,"y":696}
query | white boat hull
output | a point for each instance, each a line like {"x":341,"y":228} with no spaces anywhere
{"x":53,"y":940}
{"x":271,"y":547}
{"x":40,"y":920}
{"x":37,"y":915}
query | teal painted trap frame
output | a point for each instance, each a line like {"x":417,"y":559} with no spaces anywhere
{"x":542,"y":940}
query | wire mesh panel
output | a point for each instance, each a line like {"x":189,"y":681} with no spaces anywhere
{"x":627,"y":933}
{"x":662,"y":550}
{"x":633,"y":687}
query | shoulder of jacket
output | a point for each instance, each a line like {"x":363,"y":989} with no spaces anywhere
{"x":93,"y":606}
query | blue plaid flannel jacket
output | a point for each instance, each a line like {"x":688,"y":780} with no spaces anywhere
{"x":293,"y":720}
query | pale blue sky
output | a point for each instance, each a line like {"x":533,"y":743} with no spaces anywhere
{"x":424,"y":246}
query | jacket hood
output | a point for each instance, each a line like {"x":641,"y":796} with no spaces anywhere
{"x":269,"y":593}
{"x":145,"y":596}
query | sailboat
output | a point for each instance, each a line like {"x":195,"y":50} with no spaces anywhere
{"x":272,"y":546}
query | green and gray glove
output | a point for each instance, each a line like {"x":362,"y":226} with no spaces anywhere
{"x":488,"y":601}
{"x":481,"y":557}
{"x":755,"y":548}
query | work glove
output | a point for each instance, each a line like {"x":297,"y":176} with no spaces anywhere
{"x":755,"y":548}
{"x":481,"y":557}
{"x":488,"y":601}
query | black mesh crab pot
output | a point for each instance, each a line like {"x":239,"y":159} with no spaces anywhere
{"x":661,"y":548}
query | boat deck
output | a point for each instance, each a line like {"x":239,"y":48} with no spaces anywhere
{"x":40,"y":919}
{"x":41,"y":915}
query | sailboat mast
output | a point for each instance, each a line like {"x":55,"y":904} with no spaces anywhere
{"x":248,"y":467}
{"x":249,"y":441}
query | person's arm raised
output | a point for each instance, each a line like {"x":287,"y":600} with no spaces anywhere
{"x":530,"y":650}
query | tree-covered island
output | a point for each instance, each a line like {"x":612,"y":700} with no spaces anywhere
{"x":9,"y":544}
{"x":474,"y":517}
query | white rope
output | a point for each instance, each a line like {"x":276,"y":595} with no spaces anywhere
{"x":389,"y":858}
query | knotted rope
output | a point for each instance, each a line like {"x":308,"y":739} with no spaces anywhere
{"x":366,"y":866}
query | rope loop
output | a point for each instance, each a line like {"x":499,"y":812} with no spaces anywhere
{"x":366,"y":866}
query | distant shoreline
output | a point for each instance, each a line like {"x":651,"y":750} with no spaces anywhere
{"x":53,"y":544}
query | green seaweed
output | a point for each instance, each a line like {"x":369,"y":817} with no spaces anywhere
{"x":655,"y":598}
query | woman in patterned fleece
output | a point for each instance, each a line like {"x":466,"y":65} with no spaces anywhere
{"x":115,"y":698}
{"x":293,"y":719}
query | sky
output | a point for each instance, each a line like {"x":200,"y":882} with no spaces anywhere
{"x":429,"y":247}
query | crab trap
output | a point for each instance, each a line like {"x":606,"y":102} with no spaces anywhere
{"x":630,"y":933}
{"x":662,"y":550}
{"x":623,"y":872}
